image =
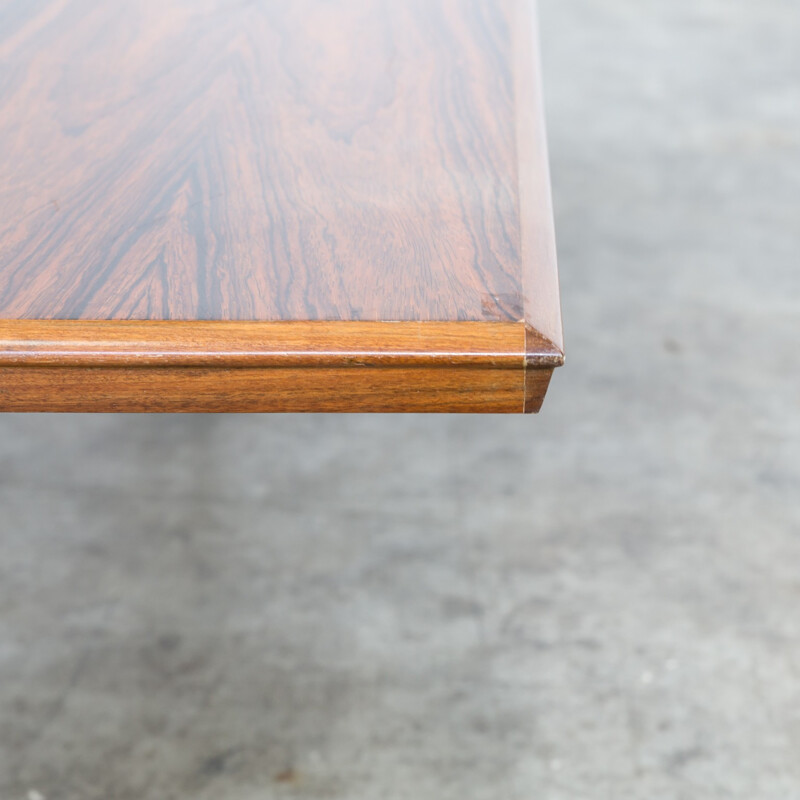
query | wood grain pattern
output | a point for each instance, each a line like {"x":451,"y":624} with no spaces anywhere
{"x":208,"y":159}
{"x":270,"y":344}
{"x":222,"y":186}
{"x":182,"y":389}
{"x":271,"y":366}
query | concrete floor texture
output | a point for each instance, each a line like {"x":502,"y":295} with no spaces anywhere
{"x":599,"y":603}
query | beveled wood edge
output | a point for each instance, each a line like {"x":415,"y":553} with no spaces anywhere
{"x":538,"y":368}
{"x":537,"y":382}
{"x":224,"y":344}
{"x":540,"y":286}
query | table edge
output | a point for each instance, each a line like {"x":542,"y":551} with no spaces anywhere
{"x":120,"y":343}
{"x":539,"y":261}
{"x":175,"y":366}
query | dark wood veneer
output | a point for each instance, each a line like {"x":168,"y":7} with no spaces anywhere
{"x":311,"y":205}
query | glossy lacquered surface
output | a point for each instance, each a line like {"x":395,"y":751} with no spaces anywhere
{"x":332,"y":161}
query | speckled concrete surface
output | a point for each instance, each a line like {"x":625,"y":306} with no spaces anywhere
{"x":599,"y":603}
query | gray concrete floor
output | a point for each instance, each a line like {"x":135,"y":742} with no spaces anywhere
{"x":601,"y":603}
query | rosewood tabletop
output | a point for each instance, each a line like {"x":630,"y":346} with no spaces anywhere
{"x":274,"y":205}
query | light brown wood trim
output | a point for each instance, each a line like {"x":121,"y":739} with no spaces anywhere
{"x":55,"y":365}
{"x":540,"y":289}
{"x":68,"y":343}
{"x":252,"y":390}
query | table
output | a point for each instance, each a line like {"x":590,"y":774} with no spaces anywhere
{"x":274,"y":205}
